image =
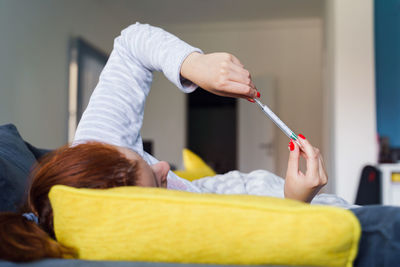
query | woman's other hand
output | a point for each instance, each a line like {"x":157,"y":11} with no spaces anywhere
{"x":219,"y":73}
{"x":300,"y":186}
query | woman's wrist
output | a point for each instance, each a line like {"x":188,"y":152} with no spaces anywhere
{"x":189,"y":65}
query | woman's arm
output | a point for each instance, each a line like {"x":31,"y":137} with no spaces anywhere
{"x":115,"y":111}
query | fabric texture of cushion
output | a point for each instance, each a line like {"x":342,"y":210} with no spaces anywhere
{"x":16,"y":159}
{"x":195,"y":167}
{"x":15,"y":162}
{"x":160,"y":225}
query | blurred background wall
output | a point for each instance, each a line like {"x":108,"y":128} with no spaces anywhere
{"x":349,"y":124}
{"x":319,"y":53}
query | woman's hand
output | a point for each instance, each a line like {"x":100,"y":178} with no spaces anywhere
{"x":300,"y":186}
{"x":219,"y":73}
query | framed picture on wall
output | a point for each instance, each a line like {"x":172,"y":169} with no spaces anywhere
{"x":85,"y":65}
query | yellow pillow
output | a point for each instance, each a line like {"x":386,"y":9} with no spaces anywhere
{"x":195,"y":167}
{"x":160,"y":225}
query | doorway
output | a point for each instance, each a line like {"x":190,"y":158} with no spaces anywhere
{"x":212,"y":129}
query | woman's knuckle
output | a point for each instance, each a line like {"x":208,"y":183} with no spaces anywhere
{"x":224,"y":64}
{"x":219,"y":84}
{"x":313,"y":182}
{"x":226,"y":56}
{"x":316,"y":185}
{"x":223,"y":72}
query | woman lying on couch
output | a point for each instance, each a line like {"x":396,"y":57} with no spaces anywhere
{"x":107,"y":150}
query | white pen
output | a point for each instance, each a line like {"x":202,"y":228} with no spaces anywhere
{"x":278,"y":122}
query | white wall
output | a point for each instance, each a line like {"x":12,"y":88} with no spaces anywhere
{"x":34,"y":61}
{"x":349,"y":95}
{"x":165,"y":120}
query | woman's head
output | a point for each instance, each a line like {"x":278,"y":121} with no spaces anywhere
{"x":147,"y":175}
{"x":90,"y":165}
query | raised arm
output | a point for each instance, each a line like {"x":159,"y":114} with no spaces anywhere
{"x":115,"y":111}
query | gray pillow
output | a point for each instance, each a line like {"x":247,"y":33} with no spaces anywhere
{"x":16,"y":159}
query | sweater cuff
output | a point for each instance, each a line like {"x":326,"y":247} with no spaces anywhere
{"x":184,"y":84}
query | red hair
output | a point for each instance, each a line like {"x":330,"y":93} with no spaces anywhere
{"x":90,"y":165}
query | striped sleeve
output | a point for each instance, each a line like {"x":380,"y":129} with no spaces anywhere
{"x":115,"y":111}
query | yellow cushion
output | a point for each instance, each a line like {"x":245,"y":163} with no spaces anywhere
{"x":160,"y":225}
{"x":195,"y":167}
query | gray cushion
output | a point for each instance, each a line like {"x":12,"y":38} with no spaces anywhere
{"x":16,"y":159}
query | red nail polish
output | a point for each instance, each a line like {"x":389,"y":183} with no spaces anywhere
{"x":250,"y":100}
{"x":258,"y":94}
{"x":291,"y":145}
{"x":301,"y":136}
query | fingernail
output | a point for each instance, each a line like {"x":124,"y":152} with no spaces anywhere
{"x":291,"y":145}
{"x":250,"y":100}
{"x":258,"y":94}
{"x":301,"y":136}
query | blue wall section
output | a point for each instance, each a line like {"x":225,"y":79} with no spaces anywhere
{"x":387,"y":56}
